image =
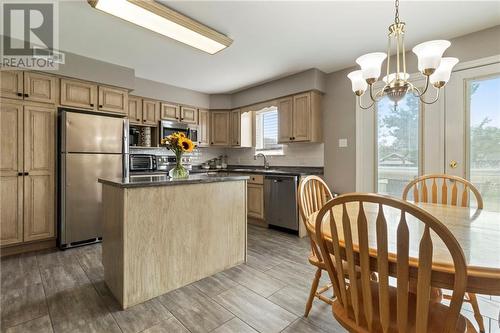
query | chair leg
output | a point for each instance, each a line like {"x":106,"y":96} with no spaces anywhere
{"x":477,"y":313}
{"x":312,"y":293}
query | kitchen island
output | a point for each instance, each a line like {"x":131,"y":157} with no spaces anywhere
{"x":160,"y":234}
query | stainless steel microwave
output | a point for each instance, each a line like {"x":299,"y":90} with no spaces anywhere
{"x":170,"y":127}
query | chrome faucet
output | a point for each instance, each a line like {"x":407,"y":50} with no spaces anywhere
{"x":266,"y":163}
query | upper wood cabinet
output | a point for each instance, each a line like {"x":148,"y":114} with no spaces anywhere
{"x":39,"y":166}
{"x":299,"y":118}
{"x":27,"y":172}
{"x":78,"y":94}
{"x":150,"y":112}
{"x":241,"y":128}
{"x":113,"y":99}
{"x":11,"y":84}
{"x":204,"y":128}
{"x":220,"y":134}
{"x":30,"y":86}
{"x":189,"y":115}
{"x":170,"y":111}
{"x":135,"y":110}
{"x":11,"y":171}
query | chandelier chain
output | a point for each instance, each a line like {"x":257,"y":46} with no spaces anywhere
{"x":396,"y":17}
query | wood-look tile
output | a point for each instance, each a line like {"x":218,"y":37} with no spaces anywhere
{"x":90,"y":258}
{"x":255,"y":280}
{"x":22,"y":304}
{"x":19,"y":271}
{"x":171,"y":325}
{"x":62,"y":277}
{"x":233,"y":326}
{"x":255,"y":310}
{"x":196,"y":311}
{"x":80,"y":309}
{"x":54,"y":257}
{"x":136,"y":318}
{"x":215,"y":284}
{"x":294,"y":299}
{"x":301,"y":326}
{"x":38,"y":325}
{"x":299,"y":275}
{"x":262,"y":260}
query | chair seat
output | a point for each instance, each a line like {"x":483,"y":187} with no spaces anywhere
{"x":437,"y":313}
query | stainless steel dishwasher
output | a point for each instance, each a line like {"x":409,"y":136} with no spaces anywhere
{"x":280,"y":202}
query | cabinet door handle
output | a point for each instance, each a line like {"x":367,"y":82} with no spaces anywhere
{"x":26,"y":173}
{"x":138,"y":119}
{"x":26,"y":95}
{"x":92,"y":104}
{"x":100,"y":106}
{"x":19,"y":173}
{"x":20,"y":94}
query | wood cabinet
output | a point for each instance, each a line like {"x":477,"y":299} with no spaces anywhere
{"x":39,"y":166}
{"x":220,"y":125}
{"x":30,"y":86}
{"x":241,"y":128}
{"x":150,"y":112}
{"x":135,"y":110}
{"x":204,"y":128}
{"x":255,"y":197}
{"x":113,"y":99}
{"x":78,"y":94}
{"x":299,"y":118}
{"x":11,"y":171}
{"x":27,"y":171}
{"x":285,"y":119}
{"x":169,"y":111}
{"x":11,"y":84}
{"x":189,"y":115}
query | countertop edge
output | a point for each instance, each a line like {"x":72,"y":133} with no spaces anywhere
{"x":192,"y":180}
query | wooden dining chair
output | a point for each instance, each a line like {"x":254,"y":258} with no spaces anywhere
{"x":447,"y":190}
{"x":312,"y":194}
{"x":371,"y":306}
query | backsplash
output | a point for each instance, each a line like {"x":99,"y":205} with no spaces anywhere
{"x":297,"y":154}
{"x":198,"y":156}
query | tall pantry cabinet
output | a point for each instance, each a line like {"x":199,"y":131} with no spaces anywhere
{"x":27,"y":171}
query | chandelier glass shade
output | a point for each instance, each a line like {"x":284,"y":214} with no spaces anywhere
{"x":431,"y":64}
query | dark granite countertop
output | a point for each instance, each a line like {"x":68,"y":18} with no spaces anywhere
{"x":146,"y":181}
{"x":273,"y":170}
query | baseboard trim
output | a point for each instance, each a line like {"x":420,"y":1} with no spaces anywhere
{"x":29,"y":247}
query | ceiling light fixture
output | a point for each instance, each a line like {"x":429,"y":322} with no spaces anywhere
{"x":437,"y":70}
{"x":165,"y":21}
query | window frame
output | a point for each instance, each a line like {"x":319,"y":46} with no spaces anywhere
{"x":269,"y":151}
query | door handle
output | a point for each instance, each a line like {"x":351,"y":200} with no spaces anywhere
{"x":453,"y":164}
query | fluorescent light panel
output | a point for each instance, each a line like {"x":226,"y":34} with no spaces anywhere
{"x":162,"y":21}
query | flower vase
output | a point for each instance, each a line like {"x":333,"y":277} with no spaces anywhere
{"x":179,"y":171}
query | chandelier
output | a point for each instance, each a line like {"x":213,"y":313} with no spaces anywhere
{"x":435,"y":68}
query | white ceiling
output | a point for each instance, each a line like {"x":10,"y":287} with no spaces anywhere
{"x":271,"y":39}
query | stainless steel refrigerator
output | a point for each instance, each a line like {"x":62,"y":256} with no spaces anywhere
{"x":90,"y":147}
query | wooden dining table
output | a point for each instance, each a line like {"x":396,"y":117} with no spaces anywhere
{"x":477,"y":231}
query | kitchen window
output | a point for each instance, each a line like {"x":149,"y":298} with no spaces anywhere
{"x":266,"y":132}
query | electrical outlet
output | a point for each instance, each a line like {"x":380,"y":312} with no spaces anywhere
{"x":342,"y":143}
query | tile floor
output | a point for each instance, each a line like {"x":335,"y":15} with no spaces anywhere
{"x":63,"y":291}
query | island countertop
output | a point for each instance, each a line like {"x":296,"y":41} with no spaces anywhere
{"x":163,"y":180}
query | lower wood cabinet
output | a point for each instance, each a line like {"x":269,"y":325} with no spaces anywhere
{"x":255,"y":197}
{"x":27,"y":172}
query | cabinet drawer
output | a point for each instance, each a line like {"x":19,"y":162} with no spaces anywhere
{"x":256,"y":179}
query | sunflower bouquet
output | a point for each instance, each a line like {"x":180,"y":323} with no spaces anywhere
{"x":179,"y":144}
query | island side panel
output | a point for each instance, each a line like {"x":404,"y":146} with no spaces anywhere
{"x":175,"y":235}
{"x":112,"y":246}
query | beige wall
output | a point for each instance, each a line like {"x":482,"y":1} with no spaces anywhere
{"x":312,"y":79}
{"x":340,"y":109}
{"x":166,"y":92}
